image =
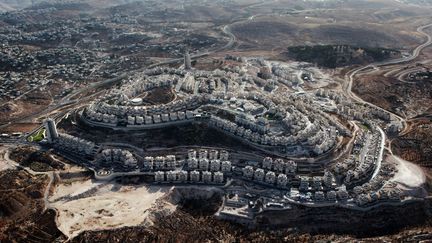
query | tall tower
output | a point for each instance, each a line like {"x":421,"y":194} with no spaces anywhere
{"x":51,"y":130}
{"x":187,"y":61}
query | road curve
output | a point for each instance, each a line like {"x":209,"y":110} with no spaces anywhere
{"x":350,"y":75}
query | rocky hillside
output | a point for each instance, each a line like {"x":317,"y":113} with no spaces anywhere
{"x":22,"y":218}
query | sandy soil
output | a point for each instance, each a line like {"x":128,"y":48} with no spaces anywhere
{"x":73,"y":189}
{"x":5,"y":163}
{"x":408,"y":173}
{"x":410,"y":177}
{"x":98,"y":206}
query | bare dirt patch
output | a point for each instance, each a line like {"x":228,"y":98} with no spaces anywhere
{"x":159,"y":96}
{"x":19,"y":127}
{"x":410,"y":177}
{"x":106,"y":206}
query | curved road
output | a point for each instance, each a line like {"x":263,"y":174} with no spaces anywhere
{"x":68,"y":100}
{"x":350,"y":75}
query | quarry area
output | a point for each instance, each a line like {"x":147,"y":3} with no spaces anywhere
{"x":196,"y":121}
{"x":105,"y":206}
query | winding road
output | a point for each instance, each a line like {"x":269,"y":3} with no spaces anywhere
{"x":10,"y":164}
{"x":349,"y":77}
{"x":71,"y":100}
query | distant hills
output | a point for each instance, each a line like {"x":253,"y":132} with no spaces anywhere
{"x":10,"y":5}
{"x":417,"y":1}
